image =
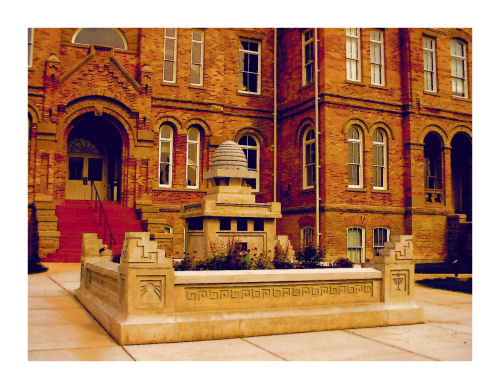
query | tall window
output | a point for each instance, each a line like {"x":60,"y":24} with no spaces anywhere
{"x":251,"y":149}
{"x":356,"y":244}
{"x":353,"y":55}
{"x":309,"y":159}
{"x":377,"y":56}
{"x":380,"y":236}
{"x":458,"y":69}
{"x":432,"y":155}
{"x":379,"y":160}
{"x":166,"y":158}
{"x":197,"y":48}
{"x":100,"y":36}
{"x":355,"y":157}
{"x":429,"y":64}
{"x":306,"y":237}
{"x":193,"y":158}
{"x":30,"y":46}
{"x":307,"y":57}
{"x":249,"y":67}
{"x":170,"y":55}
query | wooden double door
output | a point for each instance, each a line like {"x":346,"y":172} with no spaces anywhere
{"x":83,"y":169}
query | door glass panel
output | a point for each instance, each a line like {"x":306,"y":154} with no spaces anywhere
{"x":75,"y":168}
{"x":95,"y":169}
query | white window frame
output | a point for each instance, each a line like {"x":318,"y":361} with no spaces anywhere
{"x":456,"y":60}
{"x":172,"y":60}
{"x":375,"y":232}
{"x":241,"y":72}
{"x":170,"y":142}
{"x":383,"y":145}
{"x":305,"y":145}
{"x":31,"y":35}
{"x":429,"y":48}
{"x":202,"y":53}
{"x":352,"y":39}
{"x":377,"y":64}
{"x":360,"y":248}
{"x":245,"y":149}
{"x":197,"y":164}
{"x":305,"y":45}
{"x":359,"y":143}
{"x":306,"y":237}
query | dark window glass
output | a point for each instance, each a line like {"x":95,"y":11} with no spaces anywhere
{"x":95,"y":169}
{"x":75,"y":168}
{"x":242,"y":224}
{"x":258,"y":224}
{"x":195,"y":224}
{"x":225,"y":224}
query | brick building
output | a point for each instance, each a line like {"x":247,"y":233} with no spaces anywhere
{"x":360,"y":133}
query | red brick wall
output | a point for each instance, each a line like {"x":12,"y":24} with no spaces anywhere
{"x":58,"y":96}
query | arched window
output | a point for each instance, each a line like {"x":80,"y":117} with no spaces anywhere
{"x":355,"y":145}
{"x":193,"y":158}
{"x":356,"y":244}
{"x":379,"y":159}
{"x":458,"y":69}
{"x":433,"y":168}
{"x":101,"y":37}
{"x":166,"y":157}
{"x":251,"y":148}
{"x":380,"y":236}
{"x":306,"y":237}
{"x":83,"y":146}
{"x":309,"y":159}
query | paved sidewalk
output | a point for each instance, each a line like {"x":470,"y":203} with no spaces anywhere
{"x":59,"y":328}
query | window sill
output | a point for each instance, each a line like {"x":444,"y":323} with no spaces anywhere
{"x":466,"y":99}
{"x":249,"y":94}
{"x":357,"y":190}
{"x":426,"y":92}
{"x":381,"y":190}
{"x":198,"y":87}
{"x":31,"y":68}
{"x":358,"y":83}
{"x":169,"y":83}
{"x":308,"y":190}
{"x":384,"y":87}
{"x":303,"y":87}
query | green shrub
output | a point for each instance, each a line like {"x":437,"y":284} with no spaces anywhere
{"x":281,"y":258}
{"x":309,"y":257}
{"x":342,"y":263}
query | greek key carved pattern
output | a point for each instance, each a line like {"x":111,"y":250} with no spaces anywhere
{"x":358,"y":289}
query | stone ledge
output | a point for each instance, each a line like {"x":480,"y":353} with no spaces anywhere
{"x":243,"y":276}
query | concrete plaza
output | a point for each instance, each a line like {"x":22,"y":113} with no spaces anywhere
{"x":60,"y":329}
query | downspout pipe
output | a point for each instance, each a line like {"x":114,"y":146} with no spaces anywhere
{"x":275,"y":130}
{"x":317,"y":132}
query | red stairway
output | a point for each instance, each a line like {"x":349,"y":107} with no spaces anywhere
{"x":79,"y":216}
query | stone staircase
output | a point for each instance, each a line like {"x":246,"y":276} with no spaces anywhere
{"x":76,"y":217}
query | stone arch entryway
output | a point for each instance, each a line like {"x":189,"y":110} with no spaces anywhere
{"x":461,"y":172}
{"x":94,"y":154}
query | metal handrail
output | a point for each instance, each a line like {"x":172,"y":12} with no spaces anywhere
{"x":112,"y":240}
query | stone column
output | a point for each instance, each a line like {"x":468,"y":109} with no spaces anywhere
{"x":398,"y":270}
{"x":146,"y":277}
